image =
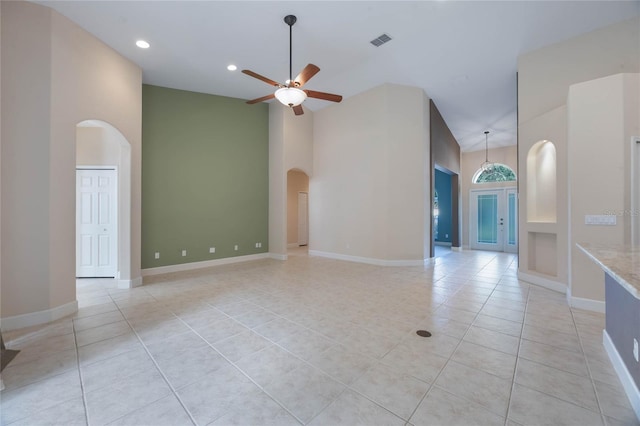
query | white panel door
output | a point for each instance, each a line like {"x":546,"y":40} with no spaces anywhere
{"x":303,"y":218}
{"x":96,"y":226}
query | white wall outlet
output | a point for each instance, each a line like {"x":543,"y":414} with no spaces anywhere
{"x":184,"y":252}
{"x":446,"y":235}
{"x":212,"y":249}
{"x":635,"y":349}
{"x":235,"y":247}
{"x":259,"y":245}
{"x":256,"y":245}
{"x":157,"y":255}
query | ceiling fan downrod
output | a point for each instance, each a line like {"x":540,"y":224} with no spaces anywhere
{"x":290,"y":20}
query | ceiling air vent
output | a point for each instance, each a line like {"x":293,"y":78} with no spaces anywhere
{"x":380,"y":40}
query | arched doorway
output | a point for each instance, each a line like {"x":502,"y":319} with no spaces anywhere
{"x":297,"y":209}
{"x":101,"y":147}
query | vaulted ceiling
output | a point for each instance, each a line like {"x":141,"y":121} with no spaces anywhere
{"x":462,"y":53}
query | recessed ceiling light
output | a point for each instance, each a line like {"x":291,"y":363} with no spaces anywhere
{"x":142,"y":44}
{"x":232,"y":67}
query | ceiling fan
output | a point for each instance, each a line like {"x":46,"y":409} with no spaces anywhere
{"x":290,"y":93}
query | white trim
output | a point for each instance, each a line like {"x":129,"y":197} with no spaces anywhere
{"x":116,"y":219}
{"x":459,"y":248}
{"x":369,"y":260}
{"x":635,"y":202}
{"x":443,"y":243}
{"x":135,"y":282}
{"x":543,"y":282}
{"x":278,"y":256}
{"x":40,"y":317}
{"x":204,"y":264}
{"x":586,"y":304}
{"x":628,"y":384}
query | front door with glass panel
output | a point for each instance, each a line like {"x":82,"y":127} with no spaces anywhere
{"x":493,"y":220}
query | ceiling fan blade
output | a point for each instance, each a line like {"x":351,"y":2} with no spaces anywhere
{"x":305,"y":75}
{"x":324,"y":96}
{"x":298,"y":110}
{"x":261,"y":77}
{"x":262,"y":99}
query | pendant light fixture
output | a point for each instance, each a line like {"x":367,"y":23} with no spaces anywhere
{"x":487,"y":166}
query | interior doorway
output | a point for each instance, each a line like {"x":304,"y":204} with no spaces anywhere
{"x":445,"y":212}
{"x":100,"y":146}
{"x":297,"y":209}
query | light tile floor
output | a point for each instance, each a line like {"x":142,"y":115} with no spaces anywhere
{"x":321,"y":342}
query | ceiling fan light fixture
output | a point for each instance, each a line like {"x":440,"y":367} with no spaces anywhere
{"x":290,"y":96}
{"x":142,"y":44}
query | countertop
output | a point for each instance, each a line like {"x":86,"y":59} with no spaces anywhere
{"x":622,"y":262}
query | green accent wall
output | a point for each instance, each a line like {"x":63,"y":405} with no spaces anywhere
{"x":205,"y":178}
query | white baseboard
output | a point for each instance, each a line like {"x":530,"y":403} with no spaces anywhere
{"x":628,"y":384}
{"x":586,"y":304}
{"x":443,"y":243}
{"x":135,"y":282}
{"x":543,"y":282}
{"x":458,"y":248}
{"x":204,"y":264}
{"x":278,"y":256}
{"x":40,"y":317}
{"x":369,"y":260}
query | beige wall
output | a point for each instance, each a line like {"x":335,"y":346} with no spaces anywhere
{"x":370,"y":177}
{"x":94,"y":149}
{"x":296,"y":182}
{"x":603,"y":115}
{"x":544,"y":80}
{"x":290,"y":147}
{"x":55,"y":75}
{"x":545,"y":75}
{"x":469,"y":165}
{"x":543,"y":244}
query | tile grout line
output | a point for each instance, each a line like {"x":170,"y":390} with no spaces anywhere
{"x":82,"y":392}
{"x":346,"y":386}
{"x":233,"y":364}
{"x":593,"y":383}
{"x":164,"y":377}
{"x":556,"y":368}
{"x":515,"y":368}
{"x":453,"y":353}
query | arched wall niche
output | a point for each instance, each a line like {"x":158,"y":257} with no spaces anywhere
{"x":99,"y":143}
{"x":297,"y":181}
{"x":541,"y":183}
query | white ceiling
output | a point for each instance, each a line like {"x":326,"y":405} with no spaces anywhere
{"x":462,"y":53}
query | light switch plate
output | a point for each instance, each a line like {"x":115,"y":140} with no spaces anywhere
{"x":600,"y":219}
